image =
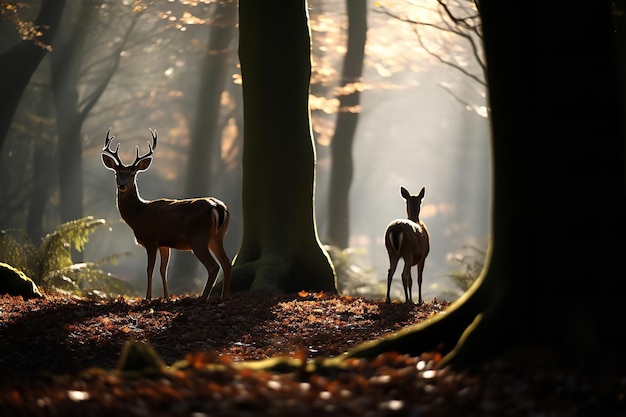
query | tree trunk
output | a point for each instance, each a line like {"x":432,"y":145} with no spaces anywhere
{"x":71,"y":113}
{"x":347,"y":119}
{"x":205,"y":140}
{"x":20,"y":62}
{"x":65,"y":64}
{"x":43,"y":165}
{"x":280,"y":250}
{"x":204,"y":151}
{"x":552,"y":275}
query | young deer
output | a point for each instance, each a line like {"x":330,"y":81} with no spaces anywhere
{"x":408,"y":239}
{"x":197,"y":224}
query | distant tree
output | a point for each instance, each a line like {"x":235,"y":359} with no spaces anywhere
{"x":43,"y":164}
{"x":347,"y":118}
{"x":72,"y":107}
{"x":204,"y":147}
{"x":204,"y":151}
{"x":19,"y":63}
{"x":551,"y":278}
{"x":280,"y":249}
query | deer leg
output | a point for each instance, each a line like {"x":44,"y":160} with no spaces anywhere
{"x":393,"y":263}
{"x":217,"y":246}
{"x":165,"y":257}
{"x":152,"y":254}
{"x":204,"y":255}
{"x":407,"y":282}
{"x":420,"y":269}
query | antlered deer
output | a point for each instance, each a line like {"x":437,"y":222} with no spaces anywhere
{"x":197,"y":224}
{"x":408,"y":239}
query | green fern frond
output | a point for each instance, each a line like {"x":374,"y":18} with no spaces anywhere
{"x":85,"y":278}
{"x":16,"y":251}
{"x":55,"y":249}
{"x":50,"y":265}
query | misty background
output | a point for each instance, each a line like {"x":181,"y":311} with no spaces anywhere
{"x":136,"y":65}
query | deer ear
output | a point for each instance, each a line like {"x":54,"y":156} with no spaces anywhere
{"x":405,"y":194}
{"x":422,"y":192}
{"x":144,"y":164}
{"x":109,"y":162}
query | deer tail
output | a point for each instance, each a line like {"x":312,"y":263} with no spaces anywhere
{"x":220,"y":213}
{"x":395,"y":239}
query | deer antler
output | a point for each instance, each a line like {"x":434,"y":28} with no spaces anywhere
{"x":107,"y":148}
{"x":151,"y":146}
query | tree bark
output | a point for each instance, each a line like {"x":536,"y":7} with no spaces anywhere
{"x":20,"y":62}
{"x":558,"y":197}
{"x":347,"y":119}
{"x":280,"y":250}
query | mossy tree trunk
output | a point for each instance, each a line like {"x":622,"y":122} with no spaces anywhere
{"x":553,"y":273}
{"x":280,"y":249}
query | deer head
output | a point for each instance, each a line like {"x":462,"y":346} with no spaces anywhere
{"x":413,"y":203}
{"x":125,"y":174}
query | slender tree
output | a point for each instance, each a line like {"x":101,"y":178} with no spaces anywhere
{"x":347,"y":119}
{"x":552,"y":273}
{"x":72,"y":109}
{"x":280,"y":249}
{"x":204,"y":147}
{"x":204,"y":151}
{"x":43,"y":165}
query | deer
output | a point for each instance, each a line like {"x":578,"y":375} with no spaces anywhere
{"x":408,"y":239}
{"x":197,"y":224}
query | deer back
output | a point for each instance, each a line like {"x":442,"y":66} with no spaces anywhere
{"x":408,"y":239}
{"x":176,"y":223}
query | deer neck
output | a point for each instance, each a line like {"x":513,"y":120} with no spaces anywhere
{"x":129,"y":204}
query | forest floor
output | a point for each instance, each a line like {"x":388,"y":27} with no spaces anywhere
{"x":58,"y":357}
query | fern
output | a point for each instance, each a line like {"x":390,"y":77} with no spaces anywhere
{"x":50,"y":265}
{"x":55,"y":249}
{"x":87,"y":279}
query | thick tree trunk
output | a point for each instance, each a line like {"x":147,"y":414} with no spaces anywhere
{"x":558,"y":196}
{"x":20,"y":62}
{"x":347,"y":119}
{"x":280,"y":250}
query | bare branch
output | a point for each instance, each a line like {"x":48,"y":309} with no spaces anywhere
{"x":461,"y":21}
{"x":468,"y":28}
{"x":95,"y":95}
{"x":447,"y":62}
